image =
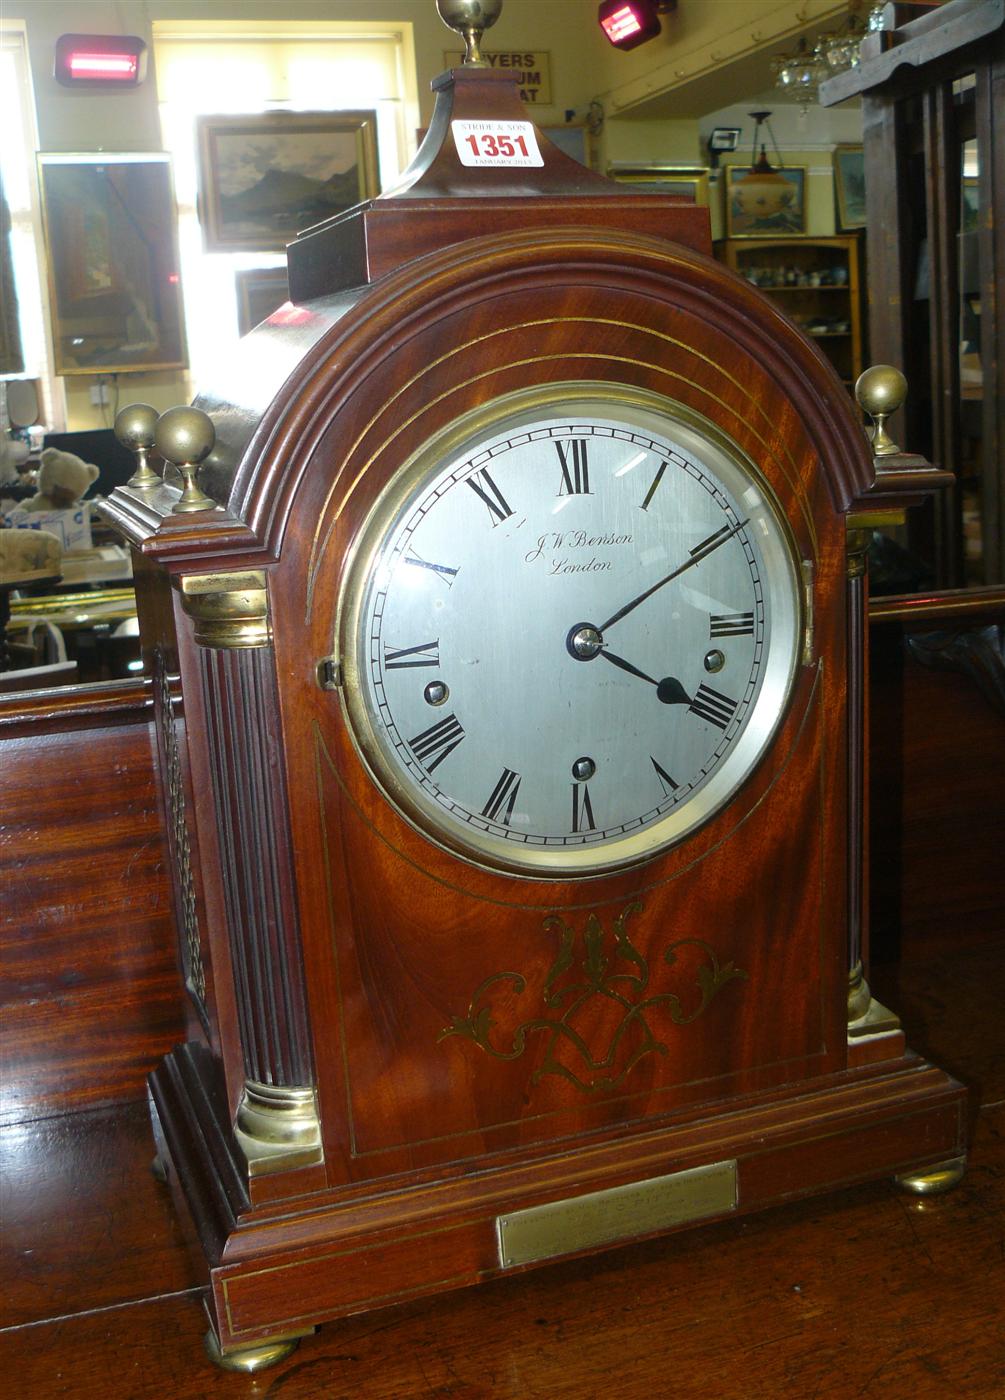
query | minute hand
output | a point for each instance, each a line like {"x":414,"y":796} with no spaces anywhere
{"x":696,"y":558}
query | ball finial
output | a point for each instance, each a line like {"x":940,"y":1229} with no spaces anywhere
{"x":186,"y":436}
{"x":880,"y":391}
{"x":134,"y":426}
{"x":470,"y":18}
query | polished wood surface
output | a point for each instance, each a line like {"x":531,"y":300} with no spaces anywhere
{"x":863,"y":1293}
{"x":89,"y":981}
{"x":937,"y":699}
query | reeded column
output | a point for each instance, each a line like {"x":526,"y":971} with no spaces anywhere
{"x":277,"y":1123}
{"x":880,"y":391}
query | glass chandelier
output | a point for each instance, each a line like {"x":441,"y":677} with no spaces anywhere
{"x":800,"y":74}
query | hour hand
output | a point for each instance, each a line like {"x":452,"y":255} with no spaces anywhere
{"x":669,"y":690}
{"x":624,"y":665}
{"x":585,"y":642}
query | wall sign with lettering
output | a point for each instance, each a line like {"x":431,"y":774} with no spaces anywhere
{"x":532,"y":70}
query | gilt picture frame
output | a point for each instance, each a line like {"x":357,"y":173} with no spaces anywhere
{"x":849,"y":186}
{"x":688,"y":181}
{"x":112,"y":262}
{"x":775,"y":208}
{"x":11,"y":351}
{"x":265,"y":178}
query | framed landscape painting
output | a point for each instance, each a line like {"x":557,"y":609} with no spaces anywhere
{"x":11,"y":354}
{"x":688,"y":181}
{"x":112,"y":259}
{"x":849,"y":186}
{"x":265,"y":178}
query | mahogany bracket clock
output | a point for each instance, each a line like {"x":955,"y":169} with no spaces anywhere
{"x":506,"y":629}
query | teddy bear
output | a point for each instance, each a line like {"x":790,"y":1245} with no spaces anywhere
{"x":25,"y":554}
{"x":63,"y":479}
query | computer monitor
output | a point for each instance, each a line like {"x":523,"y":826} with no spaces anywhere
{"x":102,"y":448}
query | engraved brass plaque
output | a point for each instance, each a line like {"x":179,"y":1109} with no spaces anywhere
{"x":620,"y":1213}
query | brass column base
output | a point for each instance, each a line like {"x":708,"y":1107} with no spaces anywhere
{"x":933,"y":1180}
{"x":250,"y":1359}
{"x":277,"y":1127}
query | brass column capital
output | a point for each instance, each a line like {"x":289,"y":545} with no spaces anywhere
{"x":230,"y":611}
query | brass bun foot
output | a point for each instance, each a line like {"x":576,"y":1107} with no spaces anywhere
{"x":249,"y":1359}
{"x":934,"y":1180}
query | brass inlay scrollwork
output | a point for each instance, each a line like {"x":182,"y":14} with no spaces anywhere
{"x":618,"y":974}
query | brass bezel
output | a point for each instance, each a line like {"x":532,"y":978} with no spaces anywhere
{"x":549,"y":863}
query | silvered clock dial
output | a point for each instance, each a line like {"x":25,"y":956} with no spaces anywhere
{"x":569,"y":629}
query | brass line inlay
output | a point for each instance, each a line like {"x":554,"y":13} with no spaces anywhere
{"x":592,"y":976}
{"x":749,"y":1154}
{"x":321,"y":756}
{"x":318,"y":543}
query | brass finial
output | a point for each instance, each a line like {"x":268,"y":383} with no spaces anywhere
{"x":880,"y":391}
{"x":134,"y":428}
{"x":186,"y":436}
{"x":470,"y":18}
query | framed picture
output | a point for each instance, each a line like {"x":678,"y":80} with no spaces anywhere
{"x":112,"y":261}
{"x":260,"y":291}
{"x":970,"y":204}
{"x":11,"y":354}
{"x":849,"y":186}
{"x":769,"y":205}
{"x":688,"y":181}
{"x":263,"y":179}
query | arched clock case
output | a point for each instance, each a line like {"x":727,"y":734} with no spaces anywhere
{"x":510,"y":721}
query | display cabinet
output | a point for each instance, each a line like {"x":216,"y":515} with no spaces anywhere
{"x":932,"y":92}
{"x":815,"y":282}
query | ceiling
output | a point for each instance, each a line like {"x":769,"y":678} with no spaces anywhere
{"x":747,"y":79}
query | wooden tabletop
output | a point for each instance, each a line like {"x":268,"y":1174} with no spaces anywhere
{"x":864,"y":1293}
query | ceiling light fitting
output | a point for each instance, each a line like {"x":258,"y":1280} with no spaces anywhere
{"x":800,"y":74}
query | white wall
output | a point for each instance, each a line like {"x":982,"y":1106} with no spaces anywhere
{"x":71,"y":121}
{"x":129,"y":121}
{"x":701,"y":34}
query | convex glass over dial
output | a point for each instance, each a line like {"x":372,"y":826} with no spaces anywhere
{"x":569,"y":629}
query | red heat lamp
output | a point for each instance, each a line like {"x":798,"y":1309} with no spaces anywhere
{"x":628,"y":23}
{"x":100,"y":61}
